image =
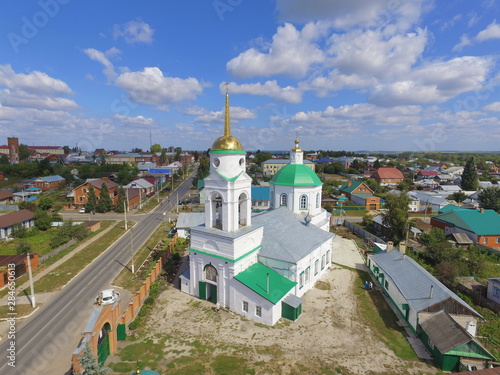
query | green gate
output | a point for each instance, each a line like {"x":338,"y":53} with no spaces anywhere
{"x":202,"y":290}
{"x":103,"y":345}
{"x":213,"y":293}
{"x":121,"y":332}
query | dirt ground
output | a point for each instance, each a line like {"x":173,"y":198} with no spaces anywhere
{"x":326,"y":339}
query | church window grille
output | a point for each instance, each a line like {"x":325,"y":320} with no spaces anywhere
{"x":301,"y":280}
{"x":328,"y":257}
{"x":245,"y":306}
{"x":308,"y":274}
{"x":258,"y":311}
{"x":323,"y":262}
{"x":316,"y":266}
{"x":283,"y":200}
{"x":303,"y":202}
{"x":317,"y":200}
{"x":211,"y":273}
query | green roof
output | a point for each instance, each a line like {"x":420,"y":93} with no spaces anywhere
{"x":296,"y":175}
{"x":481,"y":223}
{"x":255,"y":278}
{"x":365,"y":195}
{"x":451,"y":207}
{"x":349,"y":189}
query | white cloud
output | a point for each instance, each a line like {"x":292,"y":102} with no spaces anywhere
{"x":291,"y":53}
{"x":491,"y":32}
{"x":134,"y":32}
{"x":237,"y":113}
{"x":493,"y":107}
{"x":464,"y":41}
{"x":288,"y":94}
{"x":138,"y":120}
{"x":435,"y":82}
{"x":354,"y":13}
{"x":34,"y":90}
{"x":103,"y":58}
{"x":151,"y":87}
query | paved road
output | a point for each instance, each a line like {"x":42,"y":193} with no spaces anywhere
{"x":44,"y":343}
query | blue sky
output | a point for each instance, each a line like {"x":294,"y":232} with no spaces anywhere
{"x":391,"y":75}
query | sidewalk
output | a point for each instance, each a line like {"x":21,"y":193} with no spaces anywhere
{"x":347,"y":254}
{"x":46,"y":296}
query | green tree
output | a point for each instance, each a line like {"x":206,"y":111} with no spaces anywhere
{"x":19,"y":231}
{"x":44,"y":168}
{"x":433,"y":237}
{"x":204,"y":168}
{"x":45,"y":203}
{"x":489,"y":198}
{"x":470,"y":180}
{"x":27,"y":205}
{"x":156,"y":148}
{"x":121,"y":203}
{"x":91,"y":199}
{"x":89,"y":363}
{"x":261,"y":157}
{"x":24,"y":152}
{"x":23,"y":248}
{"x":66,"y":149}
{"x":377,"y":164}
{"x":163,"y":157}
{"x":4,"y":159}
{"x":43,"y":220}
{"x":105,"y":203}
{"x":396,"y":216}
{"x":458,"y":196}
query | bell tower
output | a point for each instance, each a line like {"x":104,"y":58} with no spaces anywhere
{"x":227,"y":189}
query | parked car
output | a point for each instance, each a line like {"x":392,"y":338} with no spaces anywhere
{"x":82,"y":210}
{"x":107,"y":297}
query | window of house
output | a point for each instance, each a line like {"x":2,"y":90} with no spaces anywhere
{"x":308,"y":274}
{"x":323,"y":261}
{"x":303,"y":202}
{"x":245,"y":306}
{"x":80,"y":199}
{"x":485,"y":240}
{"x":386,"y":285}
{"x":283,"y":200}
{"x":258,"y":311}
{"x":301,"y":279}
{"x":316,"y":266}
{"x":498,"y":239}
{"x":317,"y":200}
{"x":328,"y":257}
{"x":84,"y":190}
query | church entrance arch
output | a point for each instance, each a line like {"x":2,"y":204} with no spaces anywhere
{"x":208,"y":288}
{"x":242,"y":209}
{"x":103,"y":344}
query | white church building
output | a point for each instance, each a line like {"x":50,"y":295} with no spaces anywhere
{"x":258,"y":265}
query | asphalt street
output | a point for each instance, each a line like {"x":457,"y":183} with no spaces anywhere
{"x":43,"y":344}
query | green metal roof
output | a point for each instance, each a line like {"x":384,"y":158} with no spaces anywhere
{"x":296,"y":175}
{"x":255,"y":278}
{"x":350,"y":189}
{"x":365,"y":195}
{"x":451,"y":207}
{"x":481,"y":223}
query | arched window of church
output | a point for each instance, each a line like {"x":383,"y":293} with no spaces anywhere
{"x":317,"y":200}
{"x":303,"y":202}
{"x":211,"y":273}
{"x":283,"y":200}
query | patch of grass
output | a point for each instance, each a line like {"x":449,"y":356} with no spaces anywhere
{"x":195,"y":368}
{"x":122,"y":367}
{"x":322,"y":285}
{"x":145,"y":352}
{"x":376,"y":313}
{"x":274,"y":350}
{"x":39,"y":243}
{"x":21,"y":310}
{"x":56,"y":279}
{"x":229,"y":365}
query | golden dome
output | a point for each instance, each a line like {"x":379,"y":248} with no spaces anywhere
{"x":297,"y":148}
{"x":227,"y":142}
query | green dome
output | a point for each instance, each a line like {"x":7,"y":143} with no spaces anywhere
{"x":296,"y":175}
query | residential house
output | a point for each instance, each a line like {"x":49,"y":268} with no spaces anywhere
{"x":260,"y":197}
{"x":493,"y":291}
{"x":388,"y":176}
{"x":419,"y":297}
{"x":132,"y":158}
{"x":20,"y":263}
{"x":147,"y":189}
{"x":187,"y":159}
{"x":345,"y":161}
{"x":2,"y":176}
{"x":427,"y":175}
{"x":360,"y":193}
{"x":80,"y":193}
{"x":46,"y":183}
{"x":482,"y":226}
{"x":6,"y":197}
{"x":379,"y":226}
{"x":430,"y":201}
{"x":188,"y":220}
{"x":25,"y":218}
{"x":271,"y":166}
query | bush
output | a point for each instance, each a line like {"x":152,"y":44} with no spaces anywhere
{"x":136,"y":323}
{"x":149,"y":301}
{"x":19,"y":231}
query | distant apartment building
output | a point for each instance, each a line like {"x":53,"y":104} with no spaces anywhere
{"x":133,"y":158}
{"x":271,"y":166}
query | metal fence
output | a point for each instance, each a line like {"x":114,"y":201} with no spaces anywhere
{"x":9,"y":207}
{"x":361,"y":232}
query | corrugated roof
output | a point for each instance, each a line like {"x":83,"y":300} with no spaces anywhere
{"x":444,"y":332}
{"x":462,"y":238}
{"x":296,"y":175}
{"x":286,"y":237}
{"x":260,"y":193}
{"x":190,"y":219}
{"x":98,"y":183}
{"x":481,"y":223}
{"x":293,"y":301}
{"x":5,"y":195}
{"x":266,"y":282}
{"x":414,"y":282}
{"x":52,"y":178}
{"x":13,"y":218}
{"x":349,"y":188}
{"x":389,"y":173}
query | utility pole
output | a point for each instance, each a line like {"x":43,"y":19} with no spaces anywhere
{"x":125,"y":208}
{"x":132,"y":248}
{"x":33,"y":303}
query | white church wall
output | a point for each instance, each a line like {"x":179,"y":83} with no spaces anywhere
{"x":284,"y":268}
{"x":312,"y":267}
{"x":270,"y":313}
{"x":229,"y":165}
